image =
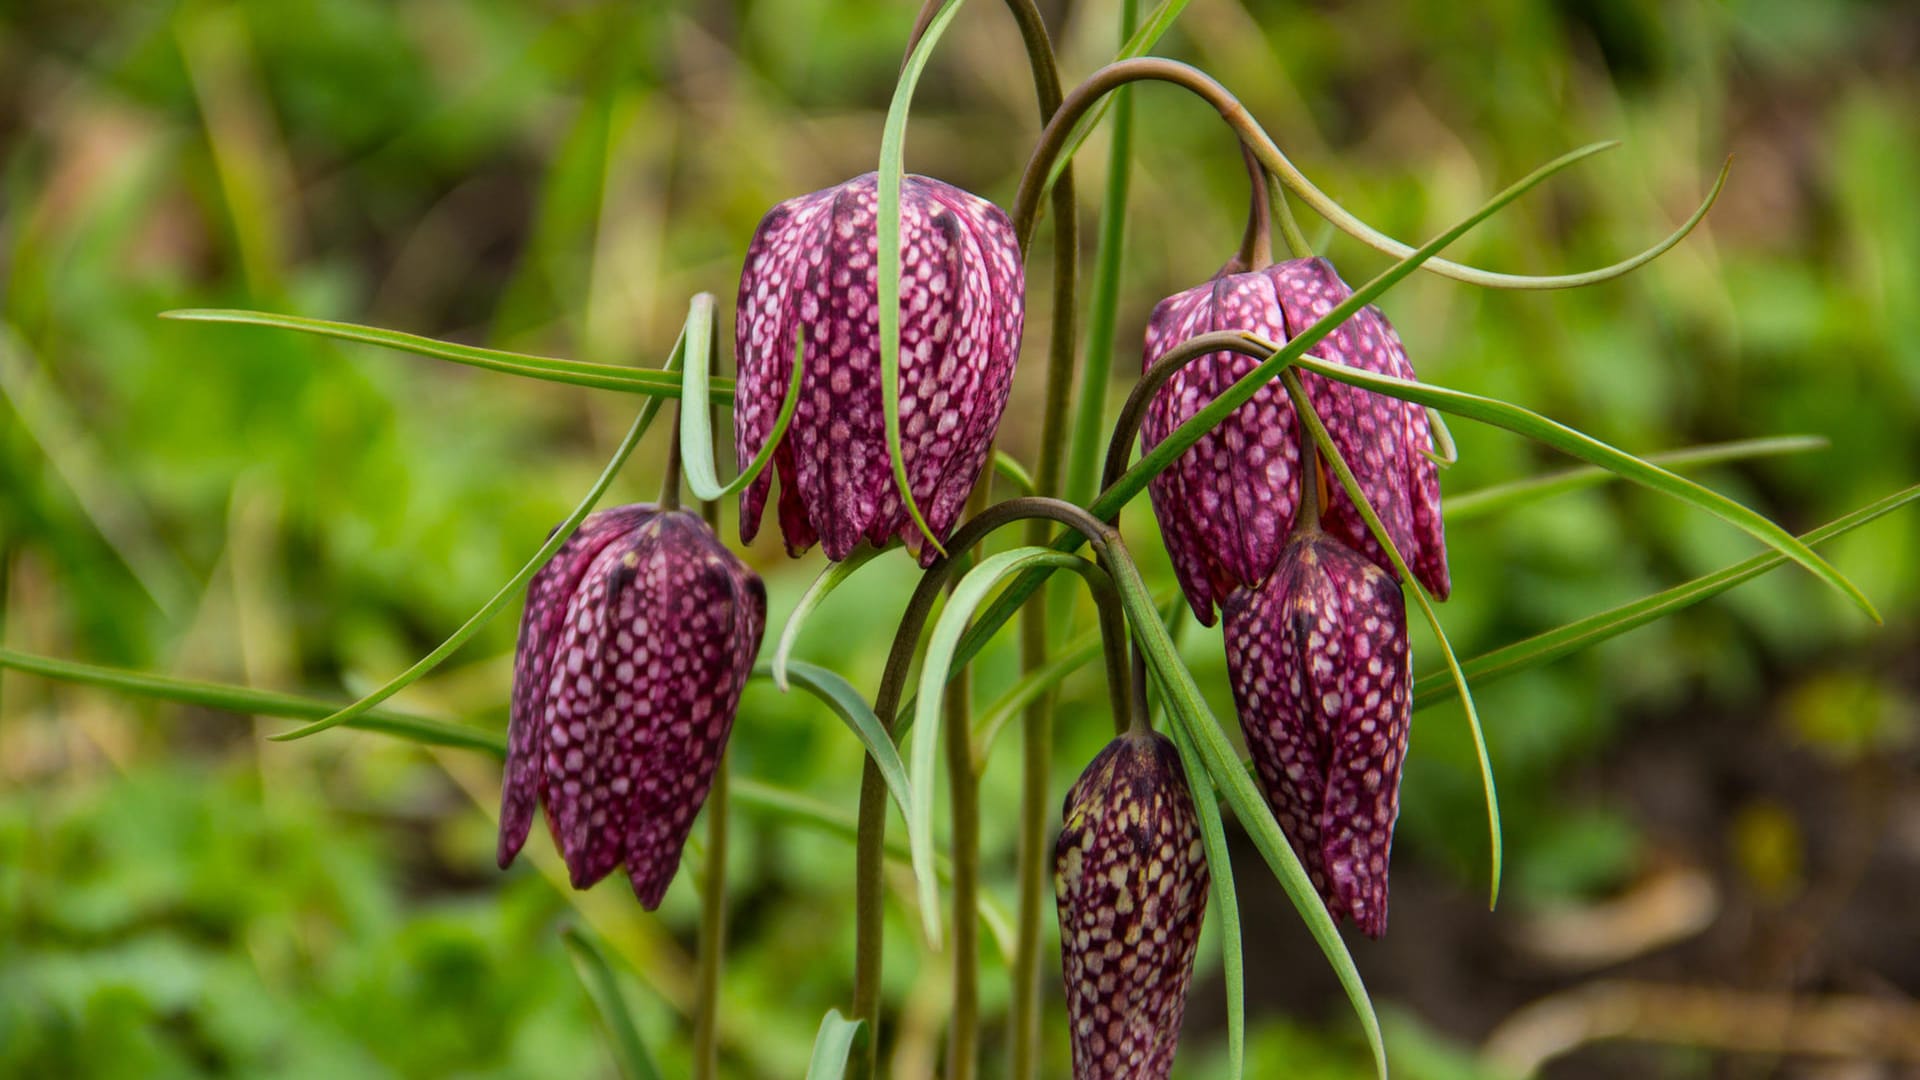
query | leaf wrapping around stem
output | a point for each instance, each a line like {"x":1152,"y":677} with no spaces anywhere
{"x":833,"y":1045}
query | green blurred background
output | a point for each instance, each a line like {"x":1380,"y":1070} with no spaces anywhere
{"x":1723,"y":803}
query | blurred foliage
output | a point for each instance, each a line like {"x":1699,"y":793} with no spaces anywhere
{"x":178,"y":897}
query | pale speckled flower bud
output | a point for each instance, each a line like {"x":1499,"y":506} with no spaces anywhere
{"x":813,"y":266}
{"x":1227,"y":505}
{"x":1321,"y":675}
{"x":637,"y":639}
{"x":1130,"y":876}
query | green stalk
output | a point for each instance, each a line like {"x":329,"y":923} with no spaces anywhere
{"x":713,"y":934}
{"x":963,"y":1030}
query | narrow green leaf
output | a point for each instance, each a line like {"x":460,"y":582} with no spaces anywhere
{"x":1013,"y":472}
{"x":1502,"y":497}
{"x":1134,"y":480}
{"x":853,"y":710}
{"x":251,"y":702}
{"x":596,"y":974}
{"x":1142,"y":41}
{"x":1444,"y":453}
{"x":893,"y":139}
{"x":516,"y":584}
{"x":831,"y":578}
{"x":1358,"y":496}
{"x":696,"y":419}
{"x":551,"y":369}
{"x":1561,"y":437}
{"x":832,"y":1046}
{"x":934,"y":671}
{"x":1226,"y":900}
{"x":1189,"y":708}
{"x":786,"y":807}
{"x":1577,"y":635}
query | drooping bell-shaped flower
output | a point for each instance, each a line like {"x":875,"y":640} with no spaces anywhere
{"x":1130,"y":876}
{"x":813,"y":267}
{"x":637,"y":638}
{"x":1320,"y":670}
{"x":1227,"y":505}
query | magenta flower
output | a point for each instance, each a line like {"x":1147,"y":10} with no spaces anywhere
{"x":1130,"y":876}
{"x":1321,"y":675}
{"x":1226,"y":506}
{"x":812,"y":266}
{"x":637,"y":639}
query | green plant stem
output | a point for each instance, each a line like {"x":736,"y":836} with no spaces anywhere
{"x":713,"y":934}
{"x":670,"y":478}
{"x":1037,"y":724}
{"x":1283,"y":213}
{"x":1058,"y":136}
{"x":1256,"y":245}
{"x":963,"y":1028}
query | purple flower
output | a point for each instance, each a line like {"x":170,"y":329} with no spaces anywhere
{"x":1130,"y":876}
{"x":1321,"y":675}
{"x":1226,"y":506}
{"x":637,"y":639}
{"x":812,"y":267}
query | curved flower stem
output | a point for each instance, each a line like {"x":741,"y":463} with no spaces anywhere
{"x":1127,"y":425}
{"x":670,"y":480}
{"x":1283,"y":212}
{"x":871,"y":847}
{"x":713,"y":933}
{"x":1256,"y":245}
{"x":1037,"y":722}
{"x":1083,"y":97}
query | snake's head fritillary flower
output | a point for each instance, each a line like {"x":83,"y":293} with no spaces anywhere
{"x":1320,"y":669}
{"x":1130,"y":876}
{"x":813,"y":267}
{"x":1226,"y":506}
{"x":637,"y":639}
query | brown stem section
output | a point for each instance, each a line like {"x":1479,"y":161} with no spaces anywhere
{"x":1256,"y":244}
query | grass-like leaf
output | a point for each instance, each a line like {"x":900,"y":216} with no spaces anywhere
{"x":832,"y":1046}
{"x":1189,"y":708}
{"x":846,"y":703}
{"x":1013,"y":472}
{"x":1143,"y":40}
{"x":516,"y":584}
{"x":787,"y":807}
{"x":831,"y":578}
{"x":893,"y":139}
{"x":1500,"y":498}
{"x":596,"y":974}
{"x":1561,"y":437}
{"x":248,"y":701}
{"x":967,"y":596}
{"x":1226,"y":900}
{"x":1358,"y":496}
{"x":1134,"y":480}
{"x":526,"y":365}
{"x":696,"y":419}
{"x":1582,"y":633}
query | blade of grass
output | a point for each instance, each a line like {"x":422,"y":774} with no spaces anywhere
{"x":1189,"y":708}
{"x":1330,"y":453}
{"x":831,"y":578}
{"x":1226,"y":902}
{"x":893,"y":139}
{"x":596,"y":974}
{"x":832,"y":1046}
{"x":696,"y":419}
{"x":573,"y":372}
{"x":1561,"y":437}
{"x":251,"y":702}
{"x":1182,"y":438}
{"x":1577,"y":635}
{"x":518,"y":582}
{"x":1501,"y":497}
{"x":1143,"y":40}
{"x":935,"y":670}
